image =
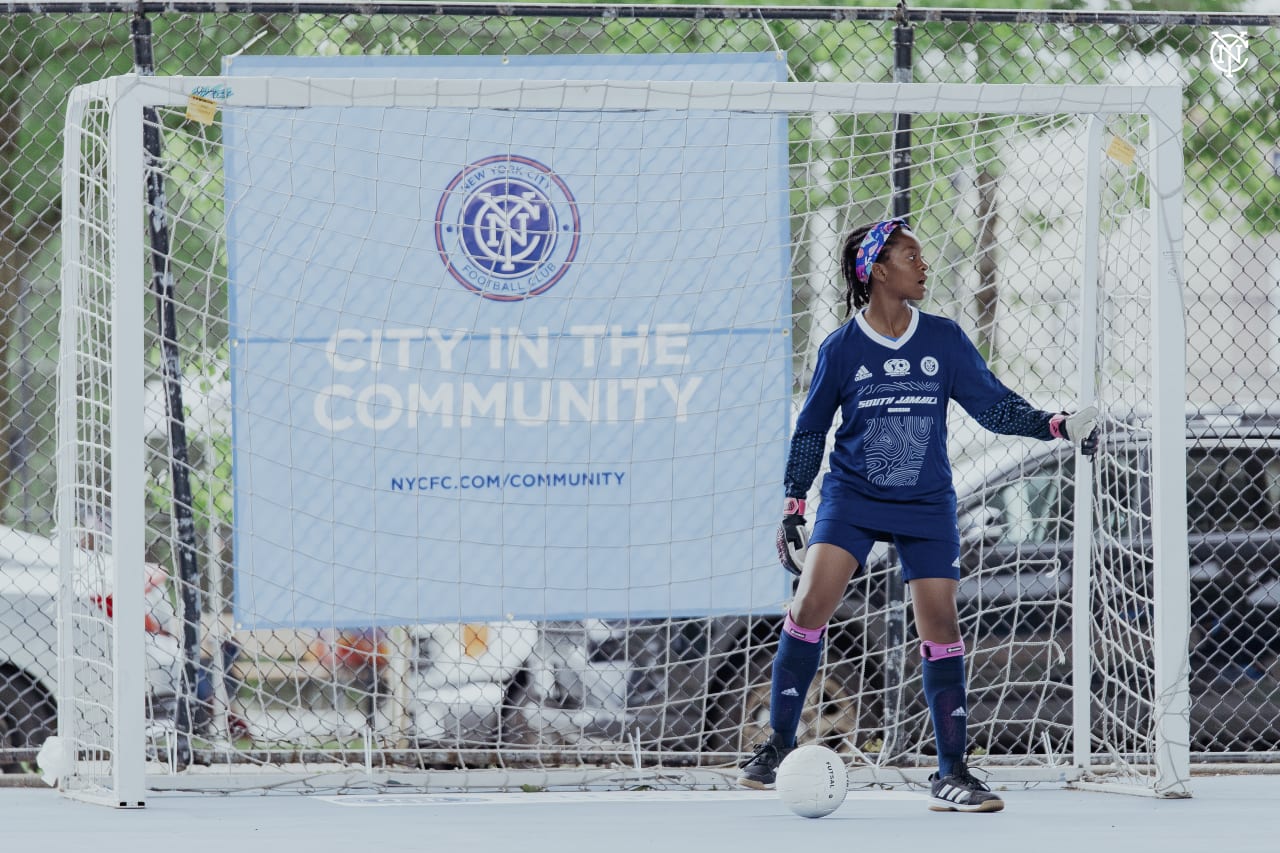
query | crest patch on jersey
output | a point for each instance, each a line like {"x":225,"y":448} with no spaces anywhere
{"x":897,"y":367}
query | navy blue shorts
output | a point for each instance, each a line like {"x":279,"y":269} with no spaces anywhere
{"x":921,"y":558}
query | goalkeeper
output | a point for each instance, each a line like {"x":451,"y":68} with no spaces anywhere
{"x":891,"y":373}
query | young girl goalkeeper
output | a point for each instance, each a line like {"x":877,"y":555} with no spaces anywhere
{"x":891,"y":372}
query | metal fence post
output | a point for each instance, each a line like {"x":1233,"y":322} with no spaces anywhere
{"x":162,"y":287}
{"x":896,"y":606}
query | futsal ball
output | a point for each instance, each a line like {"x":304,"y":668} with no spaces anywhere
{"x":812,"y":781}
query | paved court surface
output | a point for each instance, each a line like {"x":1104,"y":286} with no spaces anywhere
{"x":1229,"y":814}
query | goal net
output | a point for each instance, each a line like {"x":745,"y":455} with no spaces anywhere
{"x":431,"y":433}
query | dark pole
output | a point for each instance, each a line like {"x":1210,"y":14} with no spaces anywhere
{"x":179,"y":467}
{"x":895,"y":593}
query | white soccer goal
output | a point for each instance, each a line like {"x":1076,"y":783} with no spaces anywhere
{"x":486,"y":389}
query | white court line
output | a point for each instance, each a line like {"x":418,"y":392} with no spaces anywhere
{"x":542,"y":798}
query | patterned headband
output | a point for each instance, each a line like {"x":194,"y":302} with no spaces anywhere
{"x":872,"y":245}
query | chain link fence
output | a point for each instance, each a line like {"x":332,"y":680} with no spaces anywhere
{"x":1228,"y":66}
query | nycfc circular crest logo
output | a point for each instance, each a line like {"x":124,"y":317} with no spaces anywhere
{"x":507,"y":228}
{"x":929,"y":365}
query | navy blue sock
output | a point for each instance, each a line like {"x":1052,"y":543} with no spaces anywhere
{"x":799,"y":651}
{"x":944,"y":690}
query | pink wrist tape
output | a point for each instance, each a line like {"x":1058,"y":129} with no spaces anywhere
{"x":1055,"y":426}
{"x":938,"y":651}
{"x":808,"y":635}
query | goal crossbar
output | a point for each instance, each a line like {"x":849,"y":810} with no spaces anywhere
{"x":1162,"y":103}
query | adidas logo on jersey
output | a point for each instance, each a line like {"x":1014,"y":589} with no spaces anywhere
{"x":862,"y":373}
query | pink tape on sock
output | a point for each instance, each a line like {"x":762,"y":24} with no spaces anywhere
{"x":938,"y":651}
{"x":808,"y":635}
{"x":1055,"y":426}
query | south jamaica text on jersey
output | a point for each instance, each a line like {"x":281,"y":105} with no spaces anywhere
{"x":891,"y":446}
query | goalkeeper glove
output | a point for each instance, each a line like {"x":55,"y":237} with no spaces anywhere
{"x":1080,"y":429}
{"x":793,"y":538}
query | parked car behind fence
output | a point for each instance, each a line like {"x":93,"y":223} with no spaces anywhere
{"x":700,"y":685}
{"x":29,"y":642}
{"x":704,"y":683}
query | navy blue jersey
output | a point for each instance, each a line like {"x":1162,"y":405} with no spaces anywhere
{"x":889,"y":469}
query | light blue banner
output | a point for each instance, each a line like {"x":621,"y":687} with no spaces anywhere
{"x":490,"y":365}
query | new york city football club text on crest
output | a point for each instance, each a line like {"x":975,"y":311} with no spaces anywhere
{"x":507,"y":227}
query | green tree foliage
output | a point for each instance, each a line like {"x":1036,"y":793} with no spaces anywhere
{"x":42,"y":58}
{"x":843,"y":162}
{"x":1230,"y":135}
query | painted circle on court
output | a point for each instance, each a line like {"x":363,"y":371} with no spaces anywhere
{"x":507,"y":227}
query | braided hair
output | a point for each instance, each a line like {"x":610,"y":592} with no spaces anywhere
{"x":857,"y":294}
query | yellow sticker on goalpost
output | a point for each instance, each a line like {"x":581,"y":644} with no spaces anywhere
{"x":1121,"y":151}
{"x":201,"y":109}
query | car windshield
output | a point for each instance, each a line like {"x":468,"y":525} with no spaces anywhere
{"x":1228,"y":489}
{"x":1234,"y":489}
{"x":1035,"y":509}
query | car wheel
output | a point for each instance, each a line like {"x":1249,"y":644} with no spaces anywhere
{"x":831,"y":710}
{"x":832,"y":713}
{"x":27,"y":717}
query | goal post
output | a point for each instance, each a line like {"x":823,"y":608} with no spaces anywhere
{"x":100,"y":669}
{"x":489,"y":386}
{"x":1169,"y":514}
